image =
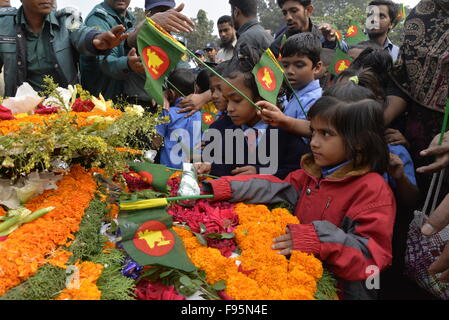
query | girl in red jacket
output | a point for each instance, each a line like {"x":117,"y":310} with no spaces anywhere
{"x":345,"y":207}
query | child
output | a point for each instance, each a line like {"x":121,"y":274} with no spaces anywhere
{"x":263,"y":149}
{"x":180,"y":134}
{"x":345,"y":207}
{"x":355,"y":50}
{"x":302,"y":65}
{"x":215,"y":86}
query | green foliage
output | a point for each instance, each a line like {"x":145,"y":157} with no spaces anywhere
{"x":327,"y":287}
{"x":270,"y":15}
{"x":49,"y":280}
{"x":46,"y":284}
{"x":202,"y":33}
{"x":185,"y":283}
{"x":35,"y":146}
{"x":139,"y":13}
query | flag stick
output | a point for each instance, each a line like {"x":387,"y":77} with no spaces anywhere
{"x":176,"y":89}
{"x":444,"y":127}
{"x":294,"y":93}
{"x":226,"y":81}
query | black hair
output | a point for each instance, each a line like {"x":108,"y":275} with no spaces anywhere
{"x":183,"y":80}
{"x":304,"y":3}
{"x":366,"y":78}
{"x":304,"y":44}
{"x":243,"y":63}
{"x":202,"y":80}
{"x":225,"y":19}
{"x":366,"y":44}
{"x":361,"y":125}
{"x":379,"y":61}
{"x":247,"y":7}
{"x":393,"y":9}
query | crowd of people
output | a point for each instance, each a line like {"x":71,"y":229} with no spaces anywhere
{"x":354,"y":152}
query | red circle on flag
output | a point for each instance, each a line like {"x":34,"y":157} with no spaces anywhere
{"x":156,"y":61}
{"x":154,"y":239}
{"x":342,"y":65}
{"x":352,"y":31}
{"x":266,"y":77}
{"x":208,"y":118}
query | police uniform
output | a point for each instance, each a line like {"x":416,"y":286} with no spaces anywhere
{"x":28,"y":57}
{"x":107,"y":75}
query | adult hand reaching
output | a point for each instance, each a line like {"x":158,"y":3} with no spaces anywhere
{"x":110,"y":39}
{"x":173,"y":20}
{"x":327,"y":31}
{"x":134,"y":62}
{"x":441,"y":153}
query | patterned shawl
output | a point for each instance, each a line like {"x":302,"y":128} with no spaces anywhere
{"x":422,"y":70}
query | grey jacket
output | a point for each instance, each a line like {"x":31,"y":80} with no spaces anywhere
{"x":253,"y":34}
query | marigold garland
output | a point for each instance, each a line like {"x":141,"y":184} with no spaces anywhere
{"x":262,"y":273}
{"x":28,"y":247}
{"x":86,"y":288}
{"x":9,"y":126}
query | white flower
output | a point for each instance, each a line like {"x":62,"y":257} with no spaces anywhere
{"x":25,"y":101}
{"x":135,"y":110}
{"x":66,"y":95}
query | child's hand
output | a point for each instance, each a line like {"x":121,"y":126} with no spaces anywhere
{"x":271,"y":114}
{"x":248,"y":170}
{"x":396,"y":167}
{"x":283,"y":243}
{"x":395,"y":138}
{"x":203,"y":167}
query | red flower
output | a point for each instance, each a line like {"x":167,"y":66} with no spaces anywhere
{"x":135,"y":183}
{"x":226,"y":246}
{"x":41,"y":109}
{"x":147,"y":290}
{"x":5,"y":113}
{"x":82,"y":105}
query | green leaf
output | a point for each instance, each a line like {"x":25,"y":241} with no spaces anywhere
{"x":202,"y":228}
{"x":202,"y":274}
{"x":219,"y":285}
{"x":186,"y":281}
{"x":201,"y":239}
{"x":220,"y":235}
{"x":166,"y":273}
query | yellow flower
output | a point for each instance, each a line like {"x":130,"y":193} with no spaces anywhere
{"x":135,"y":110}
{"x":101,"y":104}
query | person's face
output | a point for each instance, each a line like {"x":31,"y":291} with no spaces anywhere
{"x":382,"y":21}
{"x":217,"y":96}
{"x":5,"y":3}
{"x":300,"y":70}
{"x":226,"y":33}
{"x":211,"y":53}
{"x":327,"y":145}
{"x":119,"y":6}
{"x":40,"y":7}
{"x":239,"y":110}
{"x":355,"y":52}
{"x":296,"y":16}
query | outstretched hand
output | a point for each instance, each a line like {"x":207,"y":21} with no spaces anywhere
{"x":283,"y":243}
{"x":441,"y":153}
{"x":173,"y":20}
{"x":110,"y":39}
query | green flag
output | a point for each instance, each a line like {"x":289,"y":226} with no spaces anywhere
{"x":207,"y":118}
{"x":269,"y":76}
{"x":340,"y":62}
{"x":160,"y":53}
{"x":339,"y":38}
{"x":283,"y":41}
{"x":354,"y":34}
{"x":148,"y":239}
{"x":156,"y":175}
{"x":401,"y":13}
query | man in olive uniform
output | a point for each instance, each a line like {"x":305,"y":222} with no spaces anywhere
{"x":107,"y":74}
{"x":36,"y":40}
